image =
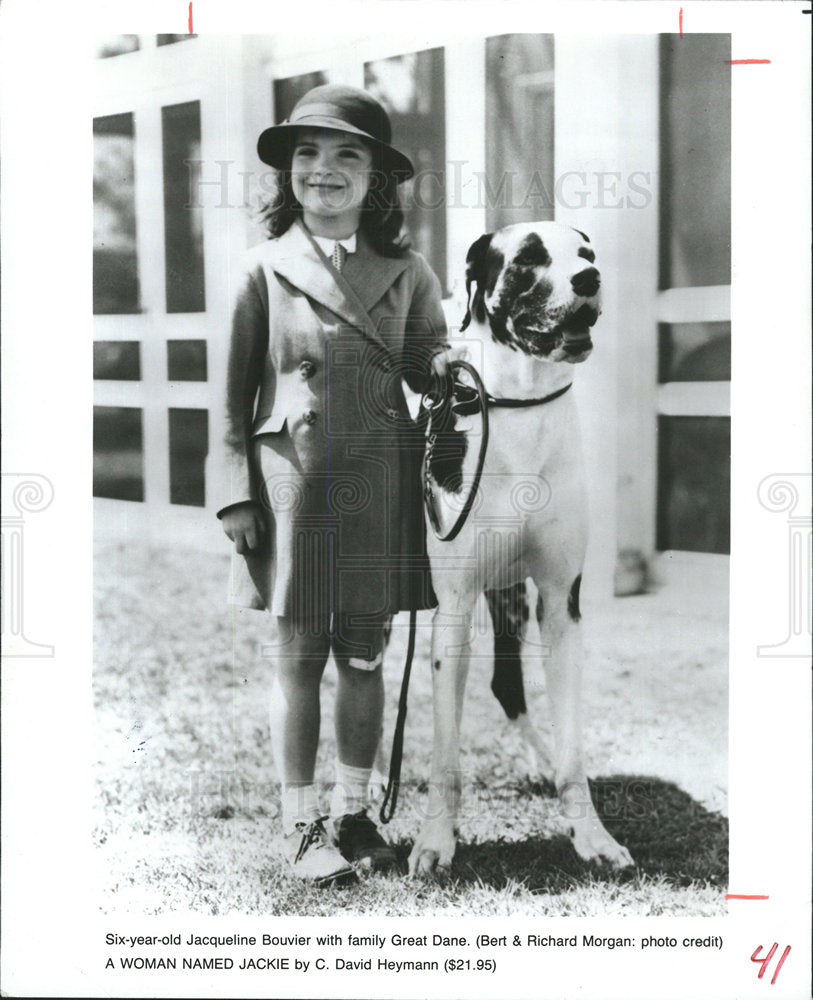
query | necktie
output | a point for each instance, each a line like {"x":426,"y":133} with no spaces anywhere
{"x":339,"y":254}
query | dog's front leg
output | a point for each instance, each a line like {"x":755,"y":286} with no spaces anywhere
{"x":435,"y":845}
{"x":563,"y":670}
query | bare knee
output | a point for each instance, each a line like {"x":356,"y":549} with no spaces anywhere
{"x":358,"y":648}
{"x":358,"y":670}
{"x":299,"y":656}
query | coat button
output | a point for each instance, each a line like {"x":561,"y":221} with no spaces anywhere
{"x":307,"y":369}
{"x":386,"y":365}
{"x":392,"y":414}
{"x":309,"y":416}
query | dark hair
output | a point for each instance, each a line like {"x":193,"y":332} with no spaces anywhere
{"x":382,"y":218}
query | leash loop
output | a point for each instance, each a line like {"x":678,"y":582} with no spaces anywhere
{"x":442,"y":409}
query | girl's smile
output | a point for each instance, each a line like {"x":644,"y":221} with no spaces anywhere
{"x":330,"y":177}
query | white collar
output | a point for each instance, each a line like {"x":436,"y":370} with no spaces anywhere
{"x":327,"y":244}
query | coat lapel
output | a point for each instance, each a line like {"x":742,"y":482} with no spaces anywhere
{"x":370,"y":274}
{"x":299,"y":260}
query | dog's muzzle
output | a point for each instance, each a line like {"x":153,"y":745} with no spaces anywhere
{"x":562,"y":337}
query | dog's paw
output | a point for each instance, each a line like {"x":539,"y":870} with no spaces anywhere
{"x":431,"y":857}
{"x":592,"y":842}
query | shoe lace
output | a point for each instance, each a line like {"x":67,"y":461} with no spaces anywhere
{"x":312,"y":833}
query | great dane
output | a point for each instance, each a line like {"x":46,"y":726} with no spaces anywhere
{"x":533,"y":296}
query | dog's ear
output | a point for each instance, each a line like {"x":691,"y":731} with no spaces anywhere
{"x":476,"y":273}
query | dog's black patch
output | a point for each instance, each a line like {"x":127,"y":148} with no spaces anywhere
{"x":588,"y":254}
{"x":523,"y":296}
{"x":494,"y":264}
{"x":446,"y":461}
{"x":532,"y":252}
{"x":584,"y":236}
{"x":509,"y":615}
{"x":436,"y":664}
{"x":483,"y":266}
{"x":573,"y":599}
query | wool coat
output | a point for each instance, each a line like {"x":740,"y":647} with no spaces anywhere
{"x":318,"y":434}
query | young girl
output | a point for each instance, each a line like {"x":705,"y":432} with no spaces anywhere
{"x":322,"y":496}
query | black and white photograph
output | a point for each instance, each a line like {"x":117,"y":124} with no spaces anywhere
{"x":429,"y":503}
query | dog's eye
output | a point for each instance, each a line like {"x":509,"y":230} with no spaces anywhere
{"x":523,"y":279}
{"x":532,"y":253}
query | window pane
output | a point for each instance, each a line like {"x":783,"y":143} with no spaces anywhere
{"x":116,"y":45}
{"x":172,"y":39}
{"x":694,"y":483}
{"x":118,"y":453}
{"x":115,"y":261}
{"x":186,"y":360}
{"x":288,"y":91}
{"x":519,"y":129}
{"x":694,"y":352}
{"x":696,"y":160}
{"x":183,"y":216}
{"x":188,"y":446}
{"x":412,"y":89}
{"x":117,"y":359}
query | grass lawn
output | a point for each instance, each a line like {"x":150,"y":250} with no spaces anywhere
{"x":187,"y":795}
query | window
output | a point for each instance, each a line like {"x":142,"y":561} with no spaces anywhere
{"x":115,"y":259}
{"x":188,"y":446}
{"x":183,"y":215}
{"x":519,"y":130}
{"x":694,"y":346}
{"x":694,"y":352}
{"x":116,"y":45}
{"x":288,"y":91}
{"x":186,"y":361}
{"x":694,"y":483}
{"x":117,"y":359}
{"x":412,"y":89}
{"x":172,"y":39}
{"x":118,"y":452}
{"x":696,"y":153}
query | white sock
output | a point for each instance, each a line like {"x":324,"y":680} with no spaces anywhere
{"x":350,"y":791}
{"x":300,"y":804}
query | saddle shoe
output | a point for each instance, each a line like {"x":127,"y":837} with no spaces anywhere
{"x":312,"y":856}
{"x":360,"y":842}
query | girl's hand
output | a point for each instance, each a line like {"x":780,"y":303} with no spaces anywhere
{"x":245,"y":526}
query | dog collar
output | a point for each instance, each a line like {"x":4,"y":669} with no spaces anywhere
{"x":467,"y":400}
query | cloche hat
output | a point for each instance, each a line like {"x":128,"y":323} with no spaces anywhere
{"x":344,"y":109}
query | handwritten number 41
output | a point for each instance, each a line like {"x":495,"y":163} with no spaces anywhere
{"x":765,"y":962}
